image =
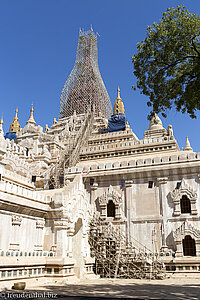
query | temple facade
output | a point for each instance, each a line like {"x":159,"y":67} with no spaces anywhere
{"x":61,"y":185}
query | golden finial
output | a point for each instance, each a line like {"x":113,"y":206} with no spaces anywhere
{"x":31,"y":120}
{"x":118,"y":93}
{"x":119,"y":105}
{"x":15,"y":126}
{"x":16,"y":112}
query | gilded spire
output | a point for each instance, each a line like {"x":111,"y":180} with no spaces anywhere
{"x":15,"y":126}
{"x":119,"y":105}
{"x":31,"y":120}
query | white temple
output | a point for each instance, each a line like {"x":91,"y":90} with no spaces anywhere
{"x":77,"y":201}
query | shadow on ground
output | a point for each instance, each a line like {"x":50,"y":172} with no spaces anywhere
{"x":124,"y":290}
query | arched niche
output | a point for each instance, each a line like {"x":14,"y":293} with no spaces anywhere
{"x":188,"y":194}
{"x":185,"y":237}
{"x":110,"y":200}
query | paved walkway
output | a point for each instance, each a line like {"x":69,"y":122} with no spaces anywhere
{"x":126,"y":289}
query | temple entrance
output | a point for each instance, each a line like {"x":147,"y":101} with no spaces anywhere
{"x":110,"y":209}
{"x":185,"y":205}
{"x":189,"y":246}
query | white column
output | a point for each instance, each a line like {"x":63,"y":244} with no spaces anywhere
{"x":39,"y":234}
{"x":177,"y":207}
{"x":61,"y":237}
{"x":163,"y":210}
{"x":15,"y":235}
{"x":193,"y":206}
{"x":128,"y":204}
{"x":86,"y":242}
{"x":70,"y":234}
{"x":197,"y":247}
{"x":179,"y":248}
{"x":93,"y":189}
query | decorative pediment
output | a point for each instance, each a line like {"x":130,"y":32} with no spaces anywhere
{"x":186,"y":229}
{"x":110,"y":194}
{"x":184,"y":189}
{"x":38,"y":166}
{"x":15,"y":164}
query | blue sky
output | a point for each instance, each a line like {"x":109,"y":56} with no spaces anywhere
{"x":38,"y":48}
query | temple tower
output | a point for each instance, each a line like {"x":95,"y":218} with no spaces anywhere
{"x":84,"y":88}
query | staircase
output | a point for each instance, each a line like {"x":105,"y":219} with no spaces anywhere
{"x":83,"y":134}
{"x":70,"y":155}
{"x":118,"y":258}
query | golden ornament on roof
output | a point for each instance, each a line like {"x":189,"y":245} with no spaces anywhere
{"x":119,"y":105}
{"x":15,"y":126}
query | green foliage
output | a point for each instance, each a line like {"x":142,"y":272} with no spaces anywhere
{"x":167,"y":65}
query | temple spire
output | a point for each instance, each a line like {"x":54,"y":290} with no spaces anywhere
{"x":31,"y":120}
{"x":119,"y":105}
{"x":15,"y":126}
{"x":84,"y":88}
{"x":1,"y":126}
{"x":187,"y":145}
{"x":156,"y":128}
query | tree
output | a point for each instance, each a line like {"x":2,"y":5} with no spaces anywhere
{"x":167,"y":65}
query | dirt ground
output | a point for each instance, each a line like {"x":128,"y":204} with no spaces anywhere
{"x":124,"y":289}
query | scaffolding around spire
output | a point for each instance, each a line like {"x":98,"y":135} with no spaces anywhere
{"x":84,"y":88}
